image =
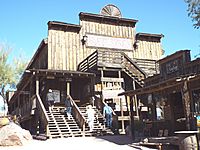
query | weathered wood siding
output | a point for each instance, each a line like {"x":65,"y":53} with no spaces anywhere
{"x":150,"y":67}
{"x":63,"y":50}
{"x":109,"y":30}
{"x":66,"y":50}
{"x":148,"y":49}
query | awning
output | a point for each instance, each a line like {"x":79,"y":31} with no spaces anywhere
{"x":175,"y":83}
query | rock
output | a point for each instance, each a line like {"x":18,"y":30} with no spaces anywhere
{"x":12,"y":134}
{"x":4,"y":121}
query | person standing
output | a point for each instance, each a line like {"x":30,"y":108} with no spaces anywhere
{"x":90,"y":113}
{"x":50,"y":99}
{"x":68,"y":105}
{"x":107,"y":113}
{"x":159,"y":113}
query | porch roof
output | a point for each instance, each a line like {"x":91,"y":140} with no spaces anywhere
{"x":52,"y":73}
{"x":26,"y":77}
{"x":60,"y":73}
{"x":171,"y":84}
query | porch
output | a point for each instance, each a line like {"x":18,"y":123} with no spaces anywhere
{"x":30,"y":101}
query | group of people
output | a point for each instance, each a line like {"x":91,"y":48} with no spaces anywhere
{"x":107,"y":112}
{"x":68,"y":103}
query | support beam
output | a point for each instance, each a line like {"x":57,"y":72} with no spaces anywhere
{"x":135,"y":100}
{"x":68,"y":88}
{"x":186,"y":102}
{"x":37,"y":117}
{"x":122,"y":115}
{"x":131,"y":117}
{"x":101,"y":78}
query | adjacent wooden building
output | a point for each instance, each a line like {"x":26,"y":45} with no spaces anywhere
{"x":100,"y":57}
{"x":169,"y":101}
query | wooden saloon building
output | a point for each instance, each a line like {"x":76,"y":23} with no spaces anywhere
{"x":100,"y":57}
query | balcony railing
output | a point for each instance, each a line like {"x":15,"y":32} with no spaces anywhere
{"x":111,"y":59}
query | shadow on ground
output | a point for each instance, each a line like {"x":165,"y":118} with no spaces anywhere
{"x":117,"y":139}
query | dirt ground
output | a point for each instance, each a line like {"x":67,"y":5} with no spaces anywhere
{"x":121,"y":142}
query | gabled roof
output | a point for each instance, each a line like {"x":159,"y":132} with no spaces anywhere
{"x":40,"y":47}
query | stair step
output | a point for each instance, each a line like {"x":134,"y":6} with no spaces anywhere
{"x":60,"y":126}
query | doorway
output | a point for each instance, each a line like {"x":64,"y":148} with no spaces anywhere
{"x":178,"y":115}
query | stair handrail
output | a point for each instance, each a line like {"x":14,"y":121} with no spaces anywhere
{"x":42,"y":110}
{"x":77,"y":114}
{"x":135,"y":65}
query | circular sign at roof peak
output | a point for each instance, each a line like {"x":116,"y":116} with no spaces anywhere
{"x":111,"y":10}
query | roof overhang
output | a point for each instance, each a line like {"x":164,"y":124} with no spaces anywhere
{"x":56,"y":25}
{"x":60,"y":73}
{"x":149,"y":36}
{"x":103,"y":18}
{"x":174,"y":83}
{"x":52,"y":73}
{"x":65,"y":74}
{"x":43,"y":43}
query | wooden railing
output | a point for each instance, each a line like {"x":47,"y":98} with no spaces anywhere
{"x":109,"y":59}
{"x":131,"y":66}
{"x":112,"y":59}
{"x":78,"y":115}
{"x":89,"y":62}
{"x":41,"y":110}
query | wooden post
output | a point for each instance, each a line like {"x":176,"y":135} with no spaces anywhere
{"x":68,"y":88}
{"x":186,"y":102}
{"x":135,"y":100}
{"x":92,"y":85}
{"x":36,"y":112}
{"x":122,"y":116}
{"x":84,"y":130}
{"x":132,"y":117}
{"x":101,"y":81}
{"x":37,"y":86}
{"x":119,"y":75}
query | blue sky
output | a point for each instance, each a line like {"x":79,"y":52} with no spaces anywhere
{"x":24,"y":22}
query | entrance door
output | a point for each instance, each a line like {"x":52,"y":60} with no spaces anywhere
{"x":178,"y":119}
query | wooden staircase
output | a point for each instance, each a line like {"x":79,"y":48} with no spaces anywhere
{"x":59,"y":126}
{"x":99,"y":127}
{"x":133,"y":70}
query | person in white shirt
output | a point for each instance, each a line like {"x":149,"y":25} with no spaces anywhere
{"x":91,"y":116}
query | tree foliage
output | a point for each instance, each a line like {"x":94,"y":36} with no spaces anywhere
{"x":10,"y":71}
{"x":194,"y":11}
